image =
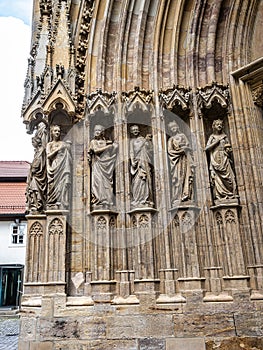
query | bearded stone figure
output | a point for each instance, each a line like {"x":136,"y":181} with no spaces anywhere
{"x":102,"y":155}
{"x":37,"y":180}
{"x":59,"y":163}
{"x":141,"y":158}
{"x":181,"y":165}
{"x":221,"y":166}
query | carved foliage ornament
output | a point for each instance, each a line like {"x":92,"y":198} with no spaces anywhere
{"x":81,"y":53}
{"x":257,"y":95}
{"x":58,"y":13}
{"x":44,"y":87}
{"x":45,"y":7}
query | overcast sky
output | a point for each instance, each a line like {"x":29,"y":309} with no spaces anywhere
{"x":15,"y":36}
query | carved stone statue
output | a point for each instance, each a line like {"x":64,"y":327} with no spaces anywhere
{"x":181,"y":165}
{"x":37,"y":180}
{"x":59,"y":163}
{"x":141,"y":157}
{"x":102,"y":155}
{"x":221,"y":167}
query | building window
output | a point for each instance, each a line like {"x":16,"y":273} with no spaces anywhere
{"x":18,"y":233}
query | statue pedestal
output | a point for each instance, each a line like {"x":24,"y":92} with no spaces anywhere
{"x":182,"y":235}
{"x":103,"y":291}
{"x":169,"y":292}
{"x":125,"y":288}
{"x":102,"y":239}
{"x":55,"y":248}
{"x":256,"y":281}
{"x":146,"y":290}
{"x":189,"y":284}
{"x":142,"y":243}
{"x":46,"y":249}
{"x":214,"y":285}
{"x":35,"y":252}
{"x":228,"y":251}
{"x":235,"y":282}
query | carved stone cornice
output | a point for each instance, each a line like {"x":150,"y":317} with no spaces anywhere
{"x":175,"y":96}
{"x":137,"y":98}
{"x":99,"y":100}
{"x":257,"y":95}
{"x":212,"y":94}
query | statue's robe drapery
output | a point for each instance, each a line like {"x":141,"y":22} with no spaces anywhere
{"x":102,"y":169}
{"x":222,"y":174}
{"x":141,"y":187}
{"x":37,"y":184}
{"x":59,"y":175}
{"x":181,"y":164}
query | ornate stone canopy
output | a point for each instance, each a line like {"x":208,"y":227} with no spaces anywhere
{"x":145,"y":191}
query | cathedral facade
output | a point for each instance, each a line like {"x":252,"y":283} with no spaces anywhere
{"x":144,"y":197}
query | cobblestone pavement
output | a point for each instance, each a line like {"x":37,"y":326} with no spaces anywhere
{"x":9,"y":329}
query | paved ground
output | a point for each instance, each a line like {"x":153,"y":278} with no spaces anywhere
{"x":9,"y":329}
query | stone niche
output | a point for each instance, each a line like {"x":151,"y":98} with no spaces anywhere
{"x":144,"y":197}
{"x":131,"y":251}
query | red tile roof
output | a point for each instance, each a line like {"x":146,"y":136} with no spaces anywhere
{"x":12,"y":197}
{"x":14,"y":169}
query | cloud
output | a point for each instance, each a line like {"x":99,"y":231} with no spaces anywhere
{"x":17,"y":8}
{"x":15,"y":143}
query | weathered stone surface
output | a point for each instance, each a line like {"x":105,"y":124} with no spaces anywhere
{"x":185,"y":344}
{"x":152,"y":344}
{"x":83,"y":328}
{"x":41,"y":346}
{"x":249,"y":324}
{"x":23,"y":345}
{"x":58,"y":328}
{"x":139,"y":326}
{"x":236,"y":344}
{"x":27,"y":329}
{"x":97,"y":345}
{"x":209,"y":325}
{"x":92,"y":328}
{"x":156,"y":262}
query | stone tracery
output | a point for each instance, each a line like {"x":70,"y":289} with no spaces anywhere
{"x":144,"y":67}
